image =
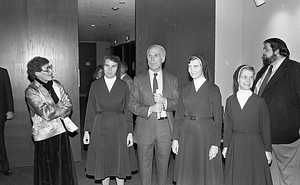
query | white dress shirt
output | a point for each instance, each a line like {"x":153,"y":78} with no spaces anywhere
{"x":276,"y":65}
{"x":159,"y":79}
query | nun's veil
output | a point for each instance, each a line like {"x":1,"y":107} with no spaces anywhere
{"x":237,"y":73}
{"x":205,"y":65}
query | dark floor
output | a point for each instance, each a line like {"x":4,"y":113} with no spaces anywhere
{"x":24,"y":175}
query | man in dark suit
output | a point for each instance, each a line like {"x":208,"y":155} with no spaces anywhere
{"x":124,"y":76}
{"x":278,"y":82}
{"x":6,"y":112}
{"x":153,"y":99}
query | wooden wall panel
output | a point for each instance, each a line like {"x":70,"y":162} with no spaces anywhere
{"x":38,"y":28}
{"x":182,"y":27}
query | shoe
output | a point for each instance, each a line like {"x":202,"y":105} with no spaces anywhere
{"x":7,"y":172}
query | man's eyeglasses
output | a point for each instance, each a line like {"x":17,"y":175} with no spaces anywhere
{"x":47,"y":70}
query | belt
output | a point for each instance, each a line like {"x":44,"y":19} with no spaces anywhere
{"x":162,"y":118}
{"x":197,"y":118}
{"x":247,"y":132}
{"x":109,"y":112}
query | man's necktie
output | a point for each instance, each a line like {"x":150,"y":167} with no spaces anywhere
{"x":265,"y":81}
{"x":155,"y":87}
{"x":155,"y":84}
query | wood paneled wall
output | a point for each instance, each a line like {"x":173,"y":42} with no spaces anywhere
{"x":30,"y":28}
{"x":184,"y":28}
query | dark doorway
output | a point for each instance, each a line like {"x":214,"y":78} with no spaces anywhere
{"x":127,"y":54}
{"x":87,"y":65}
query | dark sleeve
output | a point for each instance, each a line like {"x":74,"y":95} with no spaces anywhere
{"x":128,"y":114}
{"x":296,"y":83}
{"x":217,"y":114}
{"x":265,"y":126}
{"x":90,"y":110}
{"x":135,"y":104}
{"x":8,"y":93}
{"x":179,"y":116}
{"x":172,"y":101}
{"x":227,"y":124}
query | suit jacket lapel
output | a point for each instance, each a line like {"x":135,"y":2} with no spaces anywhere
{"x":258,"y":76}
{"x":147,"y":83}
{"x":147,"y":87}
{"x":280,"y":71}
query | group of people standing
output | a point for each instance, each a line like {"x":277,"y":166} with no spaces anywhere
{"x":261,"y":123}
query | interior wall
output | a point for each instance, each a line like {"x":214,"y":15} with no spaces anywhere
{"x":38,"y":28}
{"x":184,"y":28}
{"x":276,"y":18}
{"x":229,"y":41}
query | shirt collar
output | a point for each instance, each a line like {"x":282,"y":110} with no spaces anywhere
{"x":151,"y":73}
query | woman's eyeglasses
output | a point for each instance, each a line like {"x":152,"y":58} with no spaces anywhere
{"x":47,"y":70}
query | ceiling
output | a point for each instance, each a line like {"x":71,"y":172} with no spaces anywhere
{"x":99,"y":22}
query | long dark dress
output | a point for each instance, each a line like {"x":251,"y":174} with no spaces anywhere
{"x":109,"y":121}
{"x":247,"y":136}
{"x":192,"y":164}
{"x":54,"y":161}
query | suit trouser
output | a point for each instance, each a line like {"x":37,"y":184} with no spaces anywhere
{"x":162,"y":148}
{"x":3,"y":155}
{"x":285,"y":168}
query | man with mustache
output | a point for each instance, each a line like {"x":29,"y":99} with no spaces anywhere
{"x":278,"y":82}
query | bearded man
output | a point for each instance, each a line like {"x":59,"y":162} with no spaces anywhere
{"x":278,"y":82}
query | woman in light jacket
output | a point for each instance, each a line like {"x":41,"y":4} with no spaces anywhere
{"x":49,"y":104}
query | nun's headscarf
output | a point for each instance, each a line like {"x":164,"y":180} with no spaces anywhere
{"x":115,"y":59}
{"x":237,"y":74}
{"x":205,"y":65}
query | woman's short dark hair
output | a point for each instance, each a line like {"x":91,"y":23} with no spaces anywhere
{"x":35,"y":65}
{"x":277,"y":43}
